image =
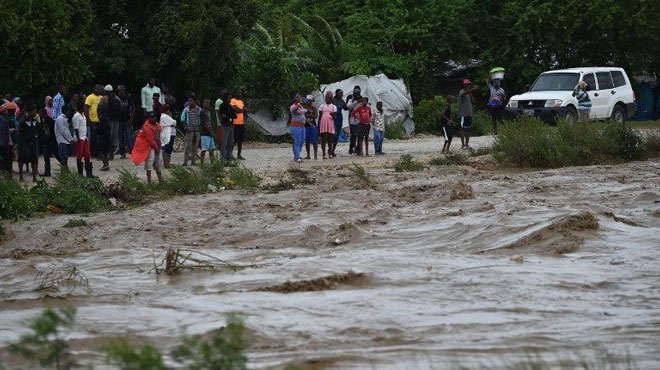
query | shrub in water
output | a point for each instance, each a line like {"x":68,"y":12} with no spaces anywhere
{"x":361,"y":174}
{"x":44,"y":342}
{"x":213,"y":172}
{"x":406,"y":163}
{"x":125,"y":356}
{"x":222,"y":349}
{"x":129,"y":181}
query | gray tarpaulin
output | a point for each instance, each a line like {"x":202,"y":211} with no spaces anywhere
{"x":397,"y":103}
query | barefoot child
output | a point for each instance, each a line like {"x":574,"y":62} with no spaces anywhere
{"x":327,"y":124}
{"x":147,"y":147}
{"x":378,"y":124}
{"x":362,"y":115}
{"x":311,"y":131}
{"x":446,"y":125}
{"x":28,"y":150}
{"x":206,"y":131}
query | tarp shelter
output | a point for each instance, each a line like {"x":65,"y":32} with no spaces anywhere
{"x":397,"y":103}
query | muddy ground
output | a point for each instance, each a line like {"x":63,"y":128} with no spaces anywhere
{"x":450,"y":265}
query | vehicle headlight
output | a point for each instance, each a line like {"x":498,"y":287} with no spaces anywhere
{"x":553,"y":103}
{"x":513,"y":104}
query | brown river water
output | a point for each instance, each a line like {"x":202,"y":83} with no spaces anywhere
{"x":461,"y":265}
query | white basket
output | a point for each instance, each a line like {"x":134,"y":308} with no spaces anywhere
{"x":497,"y":75}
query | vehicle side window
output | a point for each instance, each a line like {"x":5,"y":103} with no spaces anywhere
{"x":619,"y":80}
{"x":590,"y":80}
{"x":604,"y":80}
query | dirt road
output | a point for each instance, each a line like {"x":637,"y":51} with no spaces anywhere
{"x":460,"y":264}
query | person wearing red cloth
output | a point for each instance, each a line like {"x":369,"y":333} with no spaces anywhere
{"x":362,"y":114}
{"x":147,"y":147}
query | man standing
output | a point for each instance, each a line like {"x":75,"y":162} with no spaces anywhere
{"x":58,"y":101}
{"x":114,"y":112}
{"x":226,"y":116}
{"x":105,"y":128}
{"x":125,"y":134}
{"x":191,"y":119}
{"x":239,"y":122}
{"x":466,"y":100}
{"x":63,"y":137}
{"x":353,"y":101}
{"x":148,"y":96}
{"x":92,"y":115}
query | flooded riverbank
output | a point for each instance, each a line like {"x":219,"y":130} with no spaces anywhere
{"x":455,"y":264}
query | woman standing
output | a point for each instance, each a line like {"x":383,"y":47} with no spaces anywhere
{"x":584,"y":102}
{"x":298,"y":121}
{"x":327,"y":125}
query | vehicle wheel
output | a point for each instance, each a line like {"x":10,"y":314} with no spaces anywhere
{"x":570,"y":116}
{"x":619,"y":114}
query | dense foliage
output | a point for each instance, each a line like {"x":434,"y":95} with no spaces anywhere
{"x":273,"y":47}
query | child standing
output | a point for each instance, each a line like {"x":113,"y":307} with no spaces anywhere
{"x":446,"y":125}
{"x":362,"y":116}
{"x":168,"y":135}
{"x":206,"y":131}
{"x":147,"y":147}
{"x":82,"y":140}
{"x":378,"y":124}
{"x":311,"y":131}
{"x":28,"y":142}
{"x":327,"y":124}
{"x":465,"y":112}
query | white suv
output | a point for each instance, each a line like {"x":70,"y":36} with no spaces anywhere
{"x":551,"y":95}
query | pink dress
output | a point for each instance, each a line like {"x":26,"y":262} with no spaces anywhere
{"x":327,"y":122}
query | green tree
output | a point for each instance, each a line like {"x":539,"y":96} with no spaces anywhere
{"x":44,"y":42}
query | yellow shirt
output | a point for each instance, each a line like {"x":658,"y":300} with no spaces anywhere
{"x":239,"y":116}
{"x":93,"y":102}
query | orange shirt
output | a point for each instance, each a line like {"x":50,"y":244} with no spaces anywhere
{"x":239,"y":116}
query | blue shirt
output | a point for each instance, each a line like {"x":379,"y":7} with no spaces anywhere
{"x":58,"y":103}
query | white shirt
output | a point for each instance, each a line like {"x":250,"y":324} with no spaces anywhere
{"x":169,"y":128}
{"x":148,"y":97}
{"x":80,"y":124}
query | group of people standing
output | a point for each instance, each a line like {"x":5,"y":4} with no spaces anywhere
{"x":308,"y":122}
{"x":97,"y":124}
{"x":101,"y":125}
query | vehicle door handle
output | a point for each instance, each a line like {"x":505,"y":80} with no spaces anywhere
{"x":613,"y":92}
{"x":596,"y":94}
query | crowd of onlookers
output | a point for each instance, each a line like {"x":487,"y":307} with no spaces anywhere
{"x":100,"y":125}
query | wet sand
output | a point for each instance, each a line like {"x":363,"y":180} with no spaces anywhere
{"x":460,"y":264}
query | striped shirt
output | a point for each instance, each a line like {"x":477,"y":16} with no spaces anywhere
{"x":58,"y":103}
{"x":584,"y":102}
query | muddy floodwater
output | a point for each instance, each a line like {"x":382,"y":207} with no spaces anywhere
{"x":450,"y":265}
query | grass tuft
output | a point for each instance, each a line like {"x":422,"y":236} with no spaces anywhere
{"x":407,"y":164}
{"x":361,"y":175}
{"x":452,"y":159}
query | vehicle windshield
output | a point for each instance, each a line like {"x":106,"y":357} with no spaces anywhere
{"x":556,"y":82}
